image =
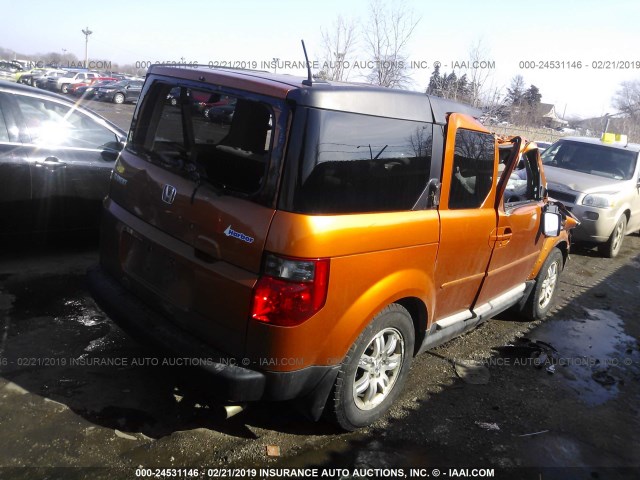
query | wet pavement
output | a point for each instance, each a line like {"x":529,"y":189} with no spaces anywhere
{"x":76,"y":392}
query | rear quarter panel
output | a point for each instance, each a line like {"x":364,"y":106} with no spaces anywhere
{"x":376,"y":259}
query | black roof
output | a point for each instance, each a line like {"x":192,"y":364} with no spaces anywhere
{"x":379,"y":101}
{"x":329,"y":95}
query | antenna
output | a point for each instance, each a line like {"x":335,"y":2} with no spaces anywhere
{"x":309,"y":81}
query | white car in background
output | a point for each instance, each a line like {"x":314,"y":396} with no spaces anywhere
{"x":599,"y":181}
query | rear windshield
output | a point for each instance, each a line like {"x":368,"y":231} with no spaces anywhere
{"x":351,"y":163}
{"x":600,"y":160}
{"x":213,"y":136}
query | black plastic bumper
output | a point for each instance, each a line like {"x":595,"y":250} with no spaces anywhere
{"x":229,"y":380}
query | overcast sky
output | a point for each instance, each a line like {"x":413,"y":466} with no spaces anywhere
{"x":257,"y":31}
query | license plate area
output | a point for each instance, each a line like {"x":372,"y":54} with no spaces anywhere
{"x":158,"y":269}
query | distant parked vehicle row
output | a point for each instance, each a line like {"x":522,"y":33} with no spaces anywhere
{"x":88,"y":90}
{"x":72,"y":77}
{"x":85,"y":84}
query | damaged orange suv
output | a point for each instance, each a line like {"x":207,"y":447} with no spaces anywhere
{"x":305,"y":240}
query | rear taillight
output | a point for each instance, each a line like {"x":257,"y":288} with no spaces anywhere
{"x":290,"y":290}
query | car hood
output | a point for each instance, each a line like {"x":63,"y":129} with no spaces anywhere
{"x":563,"y":179}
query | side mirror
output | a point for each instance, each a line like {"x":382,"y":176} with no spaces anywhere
{"x":111,"y":151}
{"x":551,"y":224}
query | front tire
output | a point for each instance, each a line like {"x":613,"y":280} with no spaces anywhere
{"x":64,"y":88}
{"x":118,"y":98}
{"x":541,"y":298}
{"x":612,"y":247}
{"x":374,"y":371}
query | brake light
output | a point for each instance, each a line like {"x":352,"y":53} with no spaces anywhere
{"x":290,"y":291}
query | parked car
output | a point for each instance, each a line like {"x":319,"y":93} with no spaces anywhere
{"x":543,"y":145}
{"x":8,"y":70}
{"x":599,"y":180}
{"x":55,"y":161}
{"x":310,"y":249}
{"x":20,"y":73}
{"x":222,"y":114}
{"x":222,"y":109}
{"x":120,"y":92}
{"x":43,"y":81}
{"x":63,"y":82}
{"x":31,"y":77}
{"x":89,"y":91}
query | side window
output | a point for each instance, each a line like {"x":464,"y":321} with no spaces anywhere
{"x":524,"y":183}
{"x":4,"y":132}
{"x":472,"y":175}
{"x":52,"y":124}
{"x":357,"y":163}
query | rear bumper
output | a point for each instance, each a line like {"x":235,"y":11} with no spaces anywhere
{"x":229,"y":378}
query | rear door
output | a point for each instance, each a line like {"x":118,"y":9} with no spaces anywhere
{"x":70,"y":161}
{"x":467,"y":215}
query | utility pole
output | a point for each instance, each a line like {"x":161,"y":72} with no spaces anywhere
{"x":86,"y":32}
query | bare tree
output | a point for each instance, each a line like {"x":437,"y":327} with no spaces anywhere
{"x":466,"y":82}
{"x":494,"y":103}
{"x":421,"y":142}
{"x":515,"y":91}
{"x":386,"y":35}
{"x":627,"y":101}
{"x":478,"y":72}
{"x":339,"y":45}
{"x":627,"y":98}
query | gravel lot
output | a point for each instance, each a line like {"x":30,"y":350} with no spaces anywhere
{"x":80,"y":399}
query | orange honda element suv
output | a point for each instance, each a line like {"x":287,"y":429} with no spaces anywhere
{"x":305,"y":240}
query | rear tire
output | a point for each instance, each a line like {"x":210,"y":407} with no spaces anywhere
{"x":540,"y":300}
{"x":374,"y":371}
{"x":118,"y":98}
{"x":612,"y":247}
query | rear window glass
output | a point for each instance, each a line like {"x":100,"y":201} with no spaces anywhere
{"x":600,"y":160}
{"x":221,"y":138}
{"x":355,"y":163}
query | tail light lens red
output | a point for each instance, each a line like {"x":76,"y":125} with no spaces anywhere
{"x":290,"y":291}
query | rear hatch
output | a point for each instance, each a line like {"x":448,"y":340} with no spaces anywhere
{"x":198,"y":198}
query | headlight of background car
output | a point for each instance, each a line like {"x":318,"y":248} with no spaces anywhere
{"x":600,"y":200}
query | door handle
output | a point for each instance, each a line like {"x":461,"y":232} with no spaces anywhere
{"x":501,"y":236}
{"x":504,"y":235}
{"x":51,"y":163}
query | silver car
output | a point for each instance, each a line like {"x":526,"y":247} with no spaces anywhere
{"x":600,"y":183}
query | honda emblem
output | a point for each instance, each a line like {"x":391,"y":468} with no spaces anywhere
{"x":169,"y":194}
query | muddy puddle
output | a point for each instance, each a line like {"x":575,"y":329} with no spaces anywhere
{"x":592,"y":355}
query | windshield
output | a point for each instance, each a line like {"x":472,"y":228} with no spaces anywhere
{"x":599,"y":160}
